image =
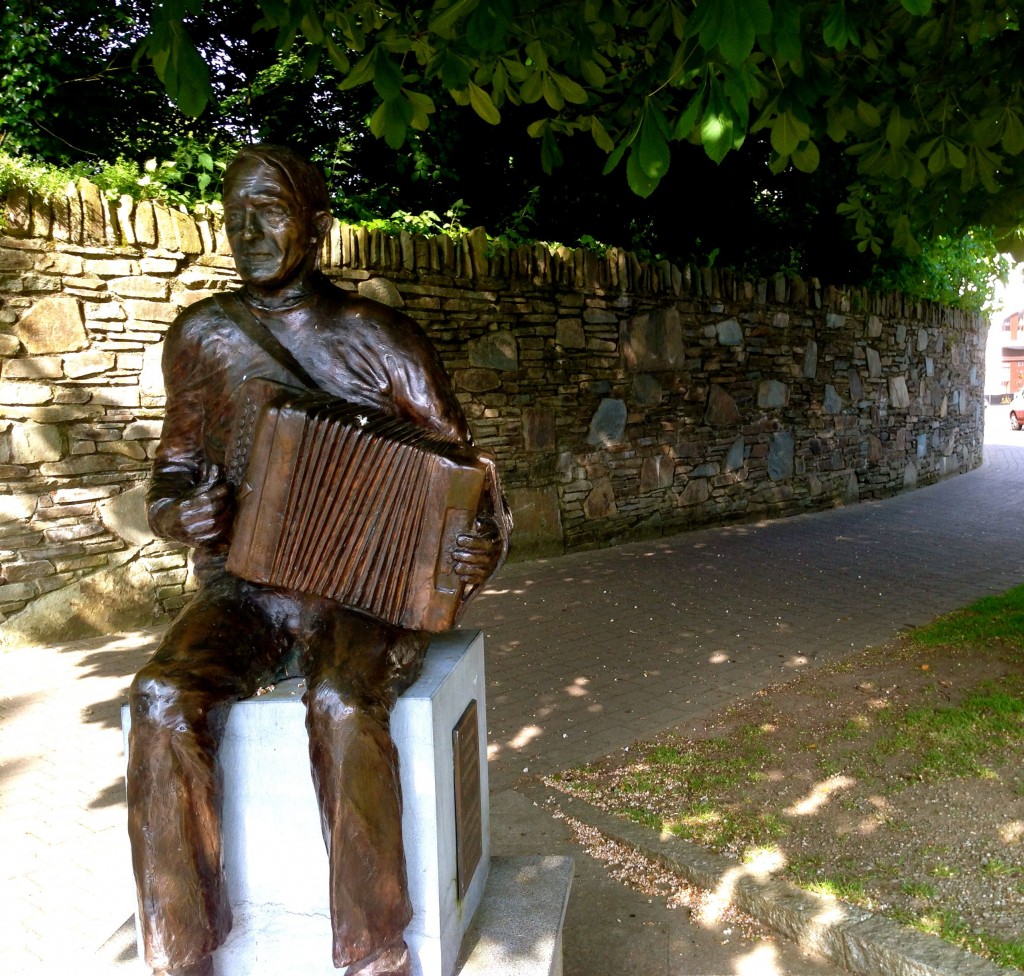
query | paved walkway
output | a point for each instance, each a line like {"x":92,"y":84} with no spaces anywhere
{"x":585,"y":654}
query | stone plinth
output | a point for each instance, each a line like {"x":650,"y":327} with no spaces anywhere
{"x":274,"y":853}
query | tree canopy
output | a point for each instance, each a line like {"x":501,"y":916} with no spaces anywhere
{"x":827,"y":136}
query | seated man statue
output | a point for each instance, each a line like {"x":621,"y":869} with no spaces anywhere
{"x":236,"y":636}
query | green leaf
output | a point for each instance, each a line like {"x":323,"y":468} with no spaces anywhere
{"x":652,"y":151}
{"x":482,"y":104}
{"x":903,"y":237}
{"x":957,"y":158}
{"x":730,"y":25}
{"x":1013,"y":134}
{"x":838,"y":29}
{"x":391,"y":120}
{"x":639,"y":181}
{"x":919,"y":8}
{"x":617,"y":153}
{"x":806,"y":158}
{"x":178,"y":65}
{"x":898,"y":129}
{"x":552,"y":93}
{"x":361,"y":73}
{"x":387,"y":77}
{"x":533,"y":88}
{"x":937,"y":160}
{"x":718,"y":125}
{"x":422,"y":106}
{"x":571,"y":90}
{"x":787,"y":133}
{"x":686,"y":122}
{"x":600,"y":135}
{"x":550,"y":154}
{"x":338,"y":57}
{"x":444,"y":24}
{"x":454,"y":72}
{"x":592,"y":74}
{"x":312,"y":28}
{"x":868,"y":114}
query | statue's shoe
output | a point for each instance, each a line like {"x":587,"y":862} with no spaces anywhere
{"x":202,"y":968}
{"x":393,"y":961}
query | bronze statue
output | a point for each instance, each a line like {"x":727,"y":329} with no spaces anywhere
{"x":290,"y":325}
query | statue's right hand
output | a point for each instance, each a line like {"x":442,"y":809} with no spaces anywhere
{"x":202,"y":516}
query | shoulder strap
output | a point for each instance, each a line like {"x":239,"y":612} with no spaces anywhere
{"x":234,"y":308}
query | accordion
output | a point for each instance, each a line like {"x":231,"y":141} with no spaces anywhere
{"x":349,"y":503}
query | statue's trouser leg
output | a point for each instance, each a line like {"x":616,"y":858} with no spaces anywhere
{"x":219,"y":650}
{"x":355,"y":770}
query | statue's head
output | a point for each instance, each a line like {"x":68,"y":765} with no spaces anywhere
{"x":276,"y":213}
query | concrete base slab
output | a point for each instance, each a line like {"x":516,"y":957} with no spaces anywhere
{"x":518,"y":928}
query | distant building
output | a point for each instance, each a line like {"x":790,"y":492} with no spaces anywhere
{"x":1011,"y":378}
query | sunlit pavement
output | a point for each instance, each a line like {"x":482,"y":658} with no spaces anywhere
{"x":585,"y":654}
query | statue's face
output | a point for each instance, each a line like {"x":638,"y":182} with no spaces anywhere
{"x":270,"y":232}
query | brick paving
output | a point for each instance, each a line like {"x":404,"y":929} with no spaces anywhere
{"x":585,"y":654}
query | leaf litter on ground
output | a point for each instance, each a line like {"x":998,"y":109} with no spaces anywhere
{"x":892,"y":779}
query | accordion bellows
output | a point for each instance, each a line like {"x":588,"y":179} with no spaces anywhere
{"x":348,"y":503}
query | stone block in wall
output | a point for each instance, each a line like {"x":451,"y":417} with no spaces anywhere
{"x":189,"y":240}
{"x":657,"y":473}
{"x":17,"y":508}
{"x":19,"y":211}
{"x":810,"y":360}
{"x":89,"y":363}
{"x":569,"y":334}
{"x":729,"y":333}
{"x":647,"y":391}
{"x":538,"y":522}
{"x":32,"y":443}
{"x":608,"y":425}
{"x":653,"y":340}
{"x":9,"y":344}
{"x":539,"y":429}
{"x":24,"y":394}
{"x":696,"y":492}
{"x":15,"y":260}
{"x":495,"y":350}
{"x":600,"y":502}
{"x":381,"y":290}
{"x":124,"y":516}
{"x":116,"y":599}
{"x":722,"y":410}
{"x":53,"y":324}
{"x":736,"y":455}
{"x":476,"y":380}
{"x":140,"y":310}
{"x":140,"y":286}
{"x":93,"y":220}
{"x":833,"y":402}
{"x":772,"y":394}
{"x":780,"y":455}
{"x":33,"y":367}
{"x":899,"y":396}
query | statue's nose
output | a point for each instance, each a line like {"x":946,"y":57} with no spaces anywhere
{"x":251,"y":227}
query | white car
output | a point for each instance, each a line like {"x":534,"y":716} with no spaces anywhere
{"x":1017,"y":410}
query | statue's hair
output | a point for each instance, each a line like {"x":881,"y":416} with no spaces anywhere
{"x":305,"y":179}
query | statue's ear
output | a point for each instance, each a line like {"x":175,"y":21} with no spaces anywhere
{"x":322,"y":224}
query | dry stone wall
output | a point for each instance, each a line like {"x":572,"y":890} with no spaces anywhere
{"x":622,"y":399}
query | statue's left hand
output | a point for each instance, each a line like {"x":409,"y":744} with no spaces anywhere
{"x":476,"y":554}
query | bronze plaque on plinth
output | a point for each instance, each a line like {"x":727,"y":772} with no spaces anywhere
{"x":468,"y":802}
